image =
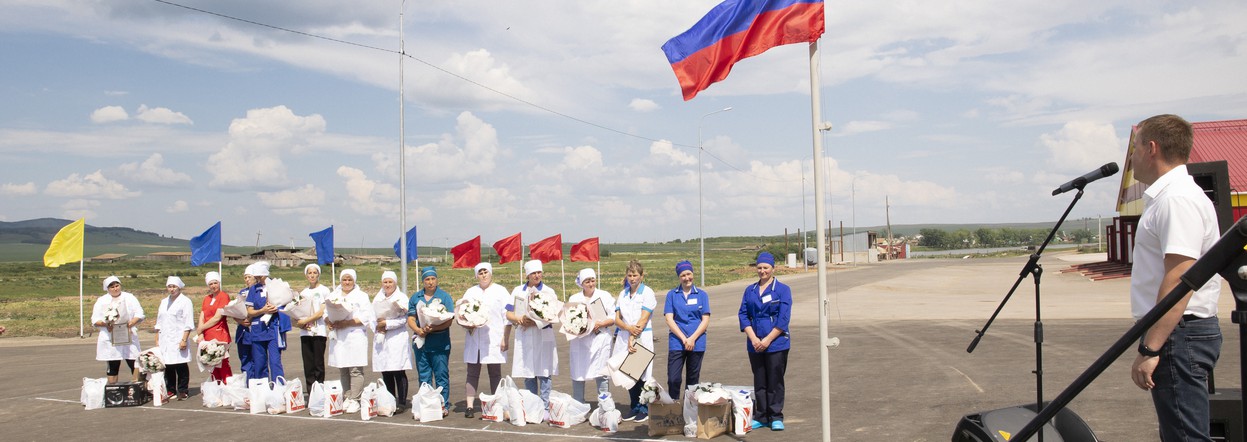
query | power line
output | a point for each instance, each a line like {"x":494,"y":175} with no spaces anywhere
{"x":468,"y":80}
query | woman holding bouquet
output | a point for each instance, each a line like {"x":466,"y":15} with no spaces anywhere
{"x":312,"y":332}
{"x":212,"y":324}
{"x":535,"y":358}
{"x":765,"y":310}
{"x":632,"y":321}
{"x":433,"y":357}
{"x":688,"y":314}
{"x":117,"y":312}
{"x":590,"y":352}
{"x":486,"y":344}
{"x":174,"y":323}
{"x":389,"y":344}
{"x":350,"y":320}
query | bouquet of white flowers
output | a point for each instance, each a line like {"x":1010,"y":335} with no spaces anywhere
{"x":575,"y":319}
{"x":337,"y":308}
{"x":112,"y":314}
{"x":708,"y":393}
{"x":434,"y":313}
{"x":300,"y":307}
{"x":278,"y":292}
{"x":236,"y":309}
{"x":149,"y":361}
{"x":543,"y":306}
{"x":386,"y":308}
{"x":211,"y":354}
{"x":471,"y":313}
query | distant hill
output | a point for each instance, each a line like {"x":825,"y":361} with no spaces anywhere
{"x":28,"y":240}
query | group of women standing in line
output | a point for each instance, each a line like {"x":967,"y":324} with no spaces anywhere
{"x":763,"y":316}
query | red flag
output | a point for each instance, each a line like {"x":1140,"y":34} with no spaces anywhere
{"x":546,"y":250}
{"x":468,"y":254}
{"x":586,"y":250}
{"x":509,"y":249}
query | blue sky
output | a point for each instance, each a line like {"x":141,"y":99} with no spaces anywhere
{"x":142,"y":114}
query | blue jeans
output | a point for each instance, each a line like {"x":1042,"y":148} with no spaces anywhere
{"x":1181,"y":392}
{"x":433,"y":367}
{"x":540,"y":386}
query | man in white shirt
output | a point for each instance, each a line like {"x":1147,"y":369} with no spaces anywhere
{"x":1177,"y":227}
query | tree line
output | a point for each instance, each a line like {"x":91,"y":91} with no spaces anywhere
{"x":998,"y":237}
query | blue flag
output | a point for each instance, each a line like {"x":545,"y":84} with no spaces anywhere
{"x":206,"y":247}
{"x":324,"y":245}
{"x":411,"y":245}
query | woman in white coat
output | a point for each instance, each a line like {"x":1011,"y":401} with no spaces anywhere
{"x":390,"y":355}
{"x":175,"y":320}
{"x":348,"y":348}
{"x":633,"y":328}
{"x":535,"y":357}
{"x":485,"y":345}
{"x":117,"y":312}
{"x":590,"y":352}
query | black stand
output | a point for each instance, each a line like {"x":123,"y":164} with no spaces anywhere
{"x":1225,"y":257}
{"x":1032,"y":268}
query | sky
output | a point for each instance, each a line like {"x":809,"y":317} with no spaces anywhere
{"x":565,"y":118}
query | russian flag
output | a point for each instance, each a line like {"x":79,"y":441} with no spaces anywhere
{"x":735,"y":30}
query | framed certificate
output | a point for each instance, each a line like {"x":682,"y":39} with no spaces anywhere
{"x":119,"y":334}
{"x":597,"y":311}
{"x":635,"y":363}
{"x":521,"y":305}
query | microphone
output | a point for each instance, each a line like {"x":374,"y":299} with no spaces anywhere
{"x":1077,"y":183}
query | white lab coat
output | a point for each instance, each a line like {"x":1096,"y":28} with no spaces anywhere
{"x":104,"y":349}
{"x":348,"y":347}
{"x":535,"y":354}
{"x":172,"y":320}
{"x":483,"y":345}
{"x":588,"y":354}
{"x":317,"y":295}
{"x":630,"y":307}
{"x":391,"y":351}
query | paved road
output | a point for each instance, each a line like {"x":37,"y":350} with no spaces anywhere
{"x":901,"y":373}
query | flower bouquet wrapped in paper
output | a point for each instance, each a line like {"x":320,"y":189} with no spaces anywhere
{"x":543,"y":306}
{"x":575,"y":320}
{"x":433,"y":313}
{"x":471,"y":313}
{"x":300,"y":308}
{"x":337,"y":308}
{"x":278,"y":293}
{"x":237,"y":309}
{"x":211,"y":354}
{"x":653,"y":392}
{"x":149,"y":361}
{"x":708,"y":393}
{"x":386,"y":308}
{"x":113,"y":314}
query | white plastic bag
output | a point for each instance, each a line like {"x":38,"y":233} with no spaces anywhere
{"x":428,"y":404}
{"x":275,"y":400}
{"x":534,"y":407}
{"x":156,"y":384}
{"x":742,"y":411}
{"x":93,"y":393}
{"x":618,"y":377}
{"x":515,"y":402}
{"x":316,"y":402}
{"x":565,"y":411}
{"x":257,"y":394}
{"x":212,"y":392}
{"x":386,"y":402}
{"x":368,"y":402}
{"x":294,"y":398}
{"x":335,"y":399}
{"x":493,"y":406}
{"x":606,"y":416}
{"x":690,"y":412}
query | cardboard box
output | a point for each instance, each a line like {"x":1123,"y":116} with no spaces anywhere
{"x":129,"y":394}
{"x":666,"y":419}
{"x":713,"y":420}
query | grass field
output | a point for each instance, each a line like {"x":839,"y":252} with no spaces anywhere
{"x":41,"y":301}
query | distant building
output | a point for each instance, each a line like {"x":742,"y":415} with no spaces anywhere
{"x":107,"y":257}
{"x":168,"y":256}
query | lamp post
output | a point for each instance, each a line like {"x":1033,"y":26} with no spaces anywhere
{"x":700,"y":224}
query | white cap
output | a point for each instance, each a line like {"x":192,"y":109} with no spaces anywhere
{"x":212,"y":276}
{"x":531,"y":267}
{"x":261,"y":268}
{"x":173,"y":280}
{"x":348,"y":272}
{"x":584,"y":275}
{"x":310,"y":267}
{"x":389,"y":274}
{"x":250,"y":270}
{"x":110,"y":280}
{"x":484,"y":265}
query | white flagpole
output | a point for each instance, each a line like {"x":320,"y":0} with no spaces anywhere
{"x":563,"y":273}
{"x":81,"y":322}
{"x":820,"y":214}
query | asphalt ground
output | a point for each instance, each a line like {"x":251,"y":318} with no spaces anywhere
{"x":901,"y":372}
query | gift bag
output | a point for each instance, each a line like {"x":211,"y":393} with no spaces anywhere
{"x":156,"y":384}
{"x":742,"y":411}
{"x":335,"y":399}
{"x":368,"y":402}
{"x":93,"y":392}
{"x":605,"y":416}
{"x":275,"y":400}
{"x":386,"y":402}
{"x":295,"y":401}
{"x":493,"y":406}
{"x":515,"y":402}
{"x":257,"y":395}
{"x":712,"y":420}
{"x":534,"y":407}
{"x":565,"y":411}
{"x":690,"y":412}
{"x":666,"y":419}
{"x":234,"y":394}
{"x":211,"y":391}
{"x":316,"y":400}
{"x":427,"y":404}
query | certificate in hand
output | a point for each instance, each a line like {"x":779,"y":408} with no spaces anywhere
{"x":119,"y":334}
{"x":597,"y":311}
{"x":635,"y":363}
{"x":521,"y":305}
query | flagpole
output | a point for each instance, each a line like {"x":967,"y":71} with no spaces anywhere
{"x":821,"y":242}
{"x":402,"y":157}
{"x":563,"y":273}
{"x":81,"y":323}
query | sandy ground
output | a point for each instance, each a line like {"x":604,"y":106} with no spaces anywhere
{"x":901,"y":372}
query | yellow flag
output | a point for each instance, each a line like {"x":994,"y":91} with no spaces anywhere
{"x":66,"y":246}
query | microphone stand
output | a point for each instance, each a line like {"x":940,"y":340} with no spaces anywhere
{"x":1032,"y":268}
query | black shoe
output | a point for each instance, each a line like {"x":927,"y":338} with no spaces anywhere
{"x":469,"y":413}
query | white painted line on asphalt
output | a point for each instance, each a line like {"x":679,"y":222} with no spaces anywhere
{"x":971,"y":381}
{"x":397,"y":424}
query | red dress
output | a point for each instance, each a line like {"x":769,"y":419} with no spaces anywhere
{"x":219,"y":332}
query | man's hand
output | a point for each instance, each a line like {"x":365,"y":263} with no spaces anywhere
{"x":1142,"y":369}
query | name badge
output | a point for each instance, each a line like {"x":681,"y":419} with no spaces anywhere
{"x":766,"y":299}
{"x":212,"y":300}
{"x":692,"y":301}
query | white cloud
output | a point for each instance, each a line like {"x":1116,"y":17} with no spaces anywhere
{"x":471,"y":150}
{"x":152,"y":171}
{"x":664,"y":152}
{"x":368,"y":197}
{"x":253,"y":157}
{"x":581,"y":159}
{"x":306,"y":200}
{"x":643,"y":105}
{"x":161,"y":115}
{"x":79,"y":208}
{"x":109,"y":114}
{"x":1080,"y":146}
{"x":857,"y":127}
{"x":11,"y":189}
{"x":93,"y":185}
{"x":178,"y":206}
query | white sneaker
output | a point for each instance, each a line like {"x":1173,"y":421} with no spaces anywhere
{"x":352,"y":406}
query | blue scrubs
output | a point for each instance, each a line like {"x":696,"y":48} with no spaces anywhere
{"x":265,"y":342}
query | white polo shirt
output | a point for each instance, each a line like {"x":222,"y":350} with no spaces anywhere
{"x":1177,"y":219}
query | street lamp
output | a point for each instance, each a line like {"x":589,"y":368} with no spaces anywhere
{"x":700,"y":225}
